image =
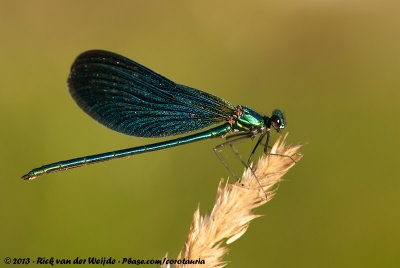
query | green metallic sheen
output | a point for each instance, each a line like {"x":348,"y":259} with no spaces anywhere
{"x":129,"y":98}
{"x":215,"y":132}
{"x":249,"y":119}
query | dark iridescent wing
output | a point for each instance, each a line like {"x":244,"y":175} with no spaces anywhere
{"x":130,"y":98}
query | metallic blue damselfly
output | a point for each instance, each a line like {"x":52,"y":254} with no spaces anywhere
{"x":132,"y":99}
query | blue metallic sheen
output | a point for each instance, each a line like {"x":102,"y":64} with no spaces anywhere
{"x":132,"y":99}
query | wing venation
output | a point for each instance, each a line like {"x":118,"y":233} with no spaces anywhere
{"x":132,"y":99}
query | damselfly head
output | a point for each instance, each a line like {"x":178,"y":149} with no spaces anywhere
{"x":277,"y":120}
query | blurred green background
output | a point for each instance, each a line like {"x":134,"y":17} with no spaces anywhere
{"x":332,"y":66}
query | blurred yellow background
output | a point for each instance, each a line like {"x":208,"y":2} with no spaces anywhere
{"x":331,"y":66}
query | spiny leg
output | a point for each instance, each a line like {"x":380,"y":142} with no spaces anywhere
{"x":255,"y":148}
{"x":248,"y":135}
{"x":266,"y":149}
{"x":238,"y":154}
{"x":251,"y":156}
{"x":242,"y":136}
{"x":266,"y":152}
{"x":234,"y":148}
{"x":291,"y":158}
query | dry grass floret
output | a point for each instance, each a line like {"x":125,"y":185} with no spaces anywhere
{"x":232,"y":212}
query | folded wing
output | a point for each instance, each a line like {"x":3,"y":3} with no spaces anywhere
{"x":130,"y":98}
